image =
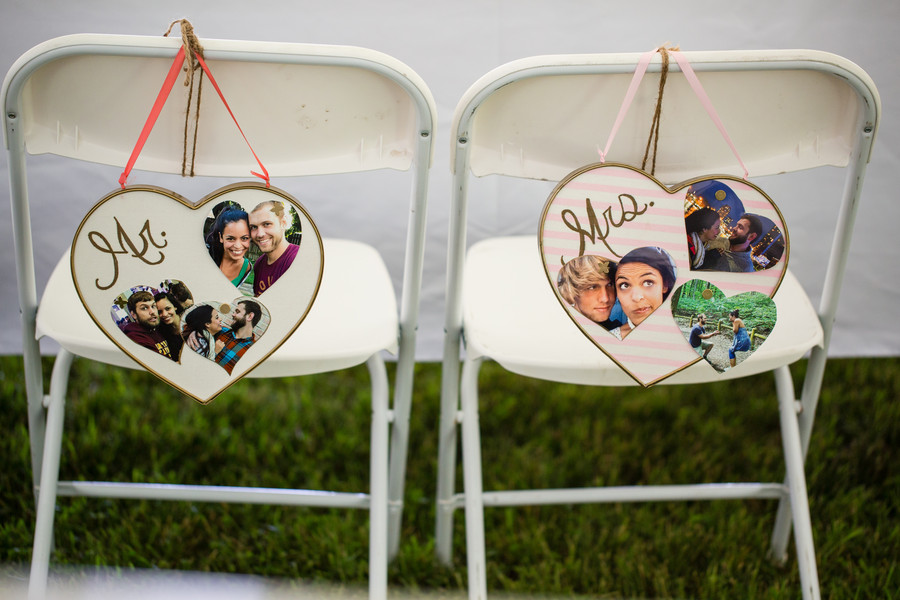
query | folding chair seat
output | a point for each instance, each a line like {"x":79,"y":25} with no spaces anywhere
{"x":313,"y":348}
{"x":381,"y":116}
{"x":555,"y":350}
{"x":538,"y":119}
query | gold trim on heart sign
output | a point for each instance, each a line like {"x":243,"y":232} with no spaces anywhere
{"x":149,"y":238}
{"x":635,"y":229}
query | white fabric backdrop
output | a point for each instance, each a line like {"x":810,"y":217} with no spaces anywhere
{"x":450,"y":45}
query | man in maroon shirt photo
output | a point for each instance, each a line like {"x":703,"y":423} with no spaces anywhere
{"x":268,"y":223}
{"x":144,"y":328}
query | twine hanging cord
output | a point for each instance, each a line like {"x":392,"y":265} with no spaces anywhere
{"x":653,"y":138}
{"x":167,"y":86}
{"x":692,"y":80}
{"x":192,"y":49}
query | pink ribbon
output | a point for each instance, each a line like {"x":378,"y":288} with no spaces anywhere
{"x":691,"y":77}
{"x":629,"y":96}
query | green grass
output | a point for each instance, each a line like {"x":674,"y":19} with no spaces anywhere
{"x":312,"y":432}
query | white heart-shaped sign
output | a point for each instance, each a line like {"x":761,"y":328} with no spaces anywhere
{"x":143,"y":241}
{"x":641,"y":242}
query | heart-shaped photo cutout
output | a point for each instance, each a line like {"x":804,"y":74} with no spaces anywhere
{"x":254,"y":246}
{"x":223,"y":332}
{"x":609,"y":211}
{"x":166,"y":320}
{"x":723,"y":331}
{"x":151,"y":316}
{"x":145,"y":241}
{"x":618,"y":296}
{"x":722,"y":235}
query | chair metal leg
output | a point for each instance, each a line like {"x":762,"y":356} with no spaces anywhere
{"x":28,"y":299}
{"x":453,"y":335}
{"x":782,"y":530}
{"x":472,"y":478}
{"x":378,"y":492}
{"x":37,"y":416}
{"x":409,"y":318}
{"x":399,"y":445}
{"x":793,"y":457}
{"x":447,"y":440}
{"x":46,"y":505}
{"x":809,"y":400}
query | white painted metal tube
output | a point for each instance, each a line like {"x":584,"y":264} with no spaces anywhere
{"x":210,"y":493}
{"x":837,"y":266}
{"x":378,"y":478}
{"x":24,"y":253}
{"x":471,"y":435}
{"x":450,"y":370}
{"x":647,"y":493}
{"x":793,"y":458}
{"x":46,"y":505}
{"x":837,"y":263}
{"x":781,"y":531}
{"x":409,"y":318}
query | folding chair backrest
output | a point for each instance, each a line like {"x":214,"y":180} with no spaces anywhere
{"x":785,"y":110}
{"x":307,"y":109}
{"x":542,"y":117}
{"x":326,"y":109}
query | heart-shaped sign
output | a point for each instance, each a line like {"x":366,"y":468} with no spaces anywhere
{"x":141,"y":266}
{"x":723,"y":331}
{"x":615,"y":243}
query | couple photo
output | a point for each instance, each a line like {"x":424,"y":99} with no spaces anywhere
{"x":151,"y":316}
{"x":166,"y":320}
{"x":223,"y":333}
{"x":723,"y":331}
{"x":618,"y":296}
{"x":253,"y":249}
{"x":723,"y":236}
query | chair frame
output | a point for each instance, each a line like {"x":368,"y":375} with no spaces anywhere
{"x":390,"y":426}
{"x":459,"y":393}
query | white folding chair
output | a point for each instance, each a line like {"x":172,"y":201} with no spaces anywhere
{"x":540,"y":118}
{"x":377,"y":114}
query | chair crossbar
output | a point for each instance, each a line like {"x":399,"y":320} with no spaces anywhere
{"x":649,"y":493}
{"x":213,"y":493}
